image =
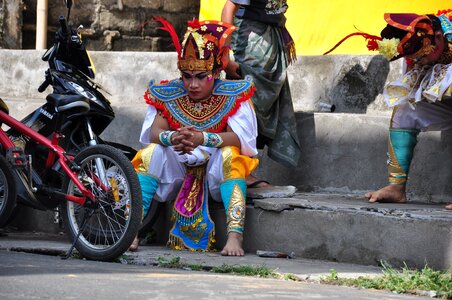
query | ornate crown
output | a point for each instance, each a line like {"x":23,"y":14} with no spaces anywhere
{"x":205,"y":45}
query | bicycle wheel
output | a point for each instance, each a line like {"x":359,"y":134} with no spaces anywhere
{"x":113,"y":223}
{"x":7,"y":192}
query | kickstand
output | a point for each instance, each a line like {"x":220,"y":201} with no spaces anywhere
{"x":84,"y":222}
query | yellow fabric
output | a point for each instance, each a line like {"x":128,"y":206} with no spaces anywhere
{"x":142,"y":159}
{"x":316,"y":26}
{"x":136,"y":161}
{"x":235,"y":165}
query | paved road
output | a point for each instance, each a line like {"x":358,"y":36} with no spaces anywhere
{"x":34,"y":276}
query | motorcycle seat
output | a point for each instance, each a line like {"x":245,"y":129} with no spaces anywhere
{"x":69,"y":104}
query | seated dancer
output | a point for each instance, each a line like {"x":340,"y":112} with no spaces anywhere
{"x":420,"y":98}
{"x":200,"y":133}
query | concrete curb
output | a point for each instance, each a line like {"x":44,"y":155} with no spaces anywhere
{"x":338,"y":227}
{"x":346,"y":228}
{"x":304,"y":269}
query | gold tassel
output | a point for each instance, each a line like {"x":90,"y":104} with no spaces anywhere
{"x":176,"y":243}
{"x":185,"y":221}
{"x":291,"y":52}
{"x":212,"y":241}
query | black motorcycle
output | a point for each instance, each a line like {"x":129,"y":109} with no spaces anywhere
{"x":54,"y":157}
{"x":71,"y":72}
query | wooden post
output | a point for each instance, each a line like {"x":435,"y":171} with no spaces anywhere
{"x":41,"y":24}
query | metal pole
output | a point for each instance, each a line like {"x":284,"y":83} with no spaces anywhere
{"x":41,"y":24}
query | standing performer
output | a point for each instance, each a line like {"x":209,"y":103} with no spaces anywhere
{"x":263,"y":49}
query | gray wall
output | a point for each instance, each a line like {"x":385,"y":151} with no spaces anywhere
{"x":344,"y":151}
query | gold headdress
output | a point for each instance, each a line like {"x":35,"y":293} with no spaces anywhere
{"x":205,"y":45}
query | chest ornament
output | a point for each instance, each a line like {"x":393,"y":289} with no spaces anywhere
{"x":210,"y":115}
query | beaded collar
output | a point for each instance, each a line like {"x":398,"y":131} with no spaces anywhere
{"x":212,"y":114}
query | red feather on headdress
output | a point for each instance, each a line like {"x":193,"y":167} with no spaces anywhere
{"x":194,"y":24}
{"x":371,"y":44}
{"x":170,"y":29}
{"x":447,"y":12}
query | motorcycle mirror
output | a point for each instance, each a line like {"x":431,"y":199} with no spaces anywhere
{"x":68,"y":3}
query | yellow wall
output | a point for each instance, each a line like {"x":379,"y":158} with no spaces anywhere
{"x":316,"y":26}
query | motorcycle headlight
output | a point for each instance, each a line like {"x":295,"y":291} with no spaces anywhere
{"x":79,"y":89}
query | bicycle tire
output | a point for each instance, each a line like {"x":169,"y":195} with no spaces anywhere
{"x":113,"y":225}
{"x":7,"y":192}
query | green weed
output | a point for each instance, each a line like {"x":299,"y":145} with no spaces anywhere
{"x":427,"y":280}
{"x":291,"y":277}
{"x":176,"y":263}
{"x":259,"y":271}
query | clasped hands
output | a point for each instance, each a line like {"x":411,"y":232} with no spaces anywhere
{"x":186,"y":139}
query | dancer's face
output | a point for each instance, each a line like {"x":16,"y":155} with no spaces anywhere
{"x":440,"y":46}
{"x":199,"y":84}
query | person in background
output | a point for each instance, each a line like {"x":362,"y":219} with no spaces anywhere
{"x":263,"y":49}
{"x":199,"y":135}
{"x":422,"y":97}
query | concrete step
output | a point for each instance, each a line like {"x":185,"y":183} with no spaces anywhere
{"x":347,"y":153}
{"x":151,"y":255}
{"x":346,"y":228}
{"x":344,"y":151}
{"x":327,"y":226}
{"x":342,"y":228}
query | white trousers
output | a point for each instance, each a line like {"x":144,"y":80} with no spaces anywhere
{"x":165,"y":165}
{"x":425,"y":117}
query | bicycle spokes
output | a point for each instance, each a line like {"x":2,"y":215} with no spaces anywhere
{"x":112,"y":202}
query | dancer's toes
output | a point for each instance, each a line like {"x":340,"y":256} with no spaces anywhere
{"x":233,"y":245}
{"x":394,"y":193}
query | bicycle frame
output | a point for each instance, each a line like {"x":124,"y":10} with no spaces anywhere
{"x":55,"y":152}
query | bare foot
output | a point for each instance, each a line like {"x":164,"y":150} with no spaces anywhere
{"x":135,"y":244}
{"x":233,"y":245}
{"x":449,"y":207}
{"x":391,"y":193}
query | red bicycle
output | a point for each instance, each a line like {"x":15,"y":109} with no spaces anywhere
{"x":97,"y":191}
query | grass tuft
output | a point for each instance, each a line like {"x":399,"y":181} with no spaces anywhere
{"x":244,"y":270}
{"x":421,"y":282}
{"x":259,"y":271}
{"x":176,"y":263}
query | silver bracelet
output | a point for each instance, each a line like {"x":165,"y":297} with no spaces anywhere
{"x":165,"y":137}
{"x":213,"y":140}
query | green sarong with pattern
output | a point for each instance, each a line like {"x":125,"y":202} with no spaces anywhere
{"x":260,"y":51}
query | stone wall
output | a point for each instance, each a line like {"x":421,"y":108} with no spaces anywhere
{"x":11,"y":24}
{"x":2,"y":11}
{"x":111,"y":25}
